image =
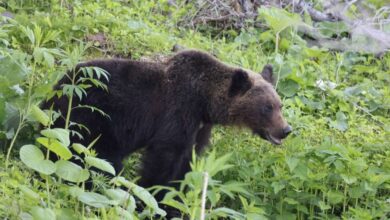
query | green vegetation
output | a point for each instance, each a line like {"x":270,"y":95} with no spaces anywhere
{"x":335,"y":165}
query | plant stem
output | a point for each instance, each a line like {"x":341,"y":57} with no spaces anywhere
{"x":68,"y":111}
{"x":70,"y":102}
{"x":22,"y":116}
{"x":345,"y":197}
{"x":203,"y":202}
{"x":48,"y":191}
{"x":20,"y":126}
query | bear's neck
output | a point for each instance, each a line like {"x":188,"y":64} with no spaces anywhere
{"x":206,"y":88}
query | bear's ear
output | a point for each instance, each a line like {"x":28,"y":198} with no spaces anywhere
{"x":268,"y":74}
{"x":240,"y":83}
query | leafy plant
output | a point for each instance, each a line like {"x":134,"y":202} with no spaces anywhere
{"x":335,"y":165}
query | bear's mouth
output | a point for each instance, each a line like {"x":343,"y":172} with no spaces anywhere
{"x":273,"y":139}
{"x":269,"y":137}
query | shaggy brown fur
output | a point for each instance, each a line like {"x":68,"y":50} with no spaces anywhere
{"x":167,"y":108}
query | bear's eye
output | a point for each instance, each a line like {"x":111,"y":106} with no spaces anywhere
{"x":268,"y":108}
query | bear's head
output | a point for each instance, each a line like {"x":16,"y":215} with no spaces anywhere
{"x":255,"y":104}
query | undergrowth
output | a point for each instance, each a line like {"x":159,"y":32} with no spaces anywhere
{"x":335,"y":165}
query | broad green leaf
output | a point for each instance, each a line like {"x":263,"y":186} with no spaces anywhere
{"x":100,"y":164}
{"x":234,"y":187}
{"x":335,"y":197}
{"x":356,"y":192}
{"x":28,"y":192}
{"x":348,"y":178}
{"x":48,"y":58}
{"x":214,"y":165}
{"x":71,"y":172}
{"x":256,"y":216}
{"x":95,"y":200}
{"x":277,"y":186}
{"x":176,"y":204}
{"x":341,"y":121}
{"x":66,"y":214}
{"x":39,"y":213}
{"x":226,"y":212}
{"x":292,"y":162}
{"x":123,"y":213}
{"x":118,"y":195}
{"x":12,"y":70}
{"x":145,"y":196}
{"x":79,"y":148}
{"x":290,"y":201}
{"x":33,"y":157}
{"x":75,"y":191}
{"x":40,"y":115}
{"x":131,"y":204}
{"x":55,"y":146}
{"x":141,"y":193}
{"x":301,"y":171}
{"x":60,"y":134}
{"x":288,"y":87}
{"x":279,"y":19}
{"x":329,"y":29}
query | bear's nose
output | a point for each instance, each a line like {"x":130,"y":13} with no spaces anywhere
{"x":287,"y":130}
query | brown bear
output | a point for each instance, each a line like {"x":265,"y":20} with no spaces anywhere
{"x":169,"y":108}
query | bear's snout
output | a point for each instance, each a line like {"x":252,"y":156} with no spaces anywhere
{"x":286,"y":131}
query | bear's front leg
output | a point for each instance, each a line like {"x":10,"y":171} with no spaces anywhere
{"x":163,"y":164}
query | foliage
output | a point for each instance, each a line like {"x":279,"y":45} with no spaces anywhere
{"x":334,"y":166}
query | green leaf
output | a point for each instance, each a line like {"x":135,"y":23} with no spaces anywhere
{"x":131,"y":205}
{"x":288,"y":87}
{"x":75,"y":191}
{"x":66,"y":214}
{"x":290,"y":201}
{"x":142,"y":194}
{"x":28,"y":192}
{"x":118,"y":195}
{"x":40,"y":115}
{"x":341,"y":121}
{"x":39,"y":213}
{"x":176,"y":204}
{"x":356,"y":192}
{"x":323,"y":205}
{"x":279,"y":19}
{"x":95,"y":200}
{"x":335,"y":197}
{"x":79,"y":148}
{"x":60,"y":134}
{"x":55,"y":146}
{"x":100,"y":164}
{"x":301,"y":171}
{"x":226,"y":212}
{"x":48,"y":58}
{"x":215,"y":165}
{"x":277,"y":186}
{"x":71,"y":172}
{"x":145,"y":196}
{"x":12,"y":70}
{"x":292,"y":162}
{"x":329,"y":29}
{"x":33,"y":157}
{"x":236,"y":187}
{"x":348,"y":179}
